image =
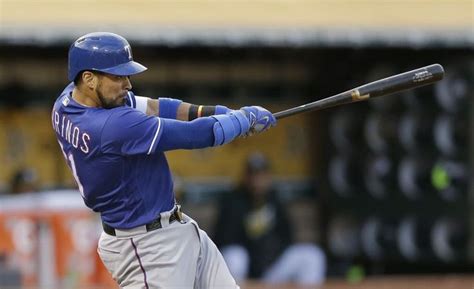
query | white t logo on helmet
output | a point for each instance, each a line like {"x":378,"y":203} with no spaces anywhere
{"x":129,"y":51}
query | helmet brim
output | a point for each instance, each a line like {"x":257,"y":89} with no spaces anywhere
{"x":125,"y":69}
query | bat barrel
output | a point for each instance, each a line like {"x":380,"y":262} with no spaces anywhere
{"x":403,"y":81}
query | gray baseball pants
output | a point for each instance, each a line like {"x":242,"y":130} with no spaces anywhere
{"x":177,"y":256}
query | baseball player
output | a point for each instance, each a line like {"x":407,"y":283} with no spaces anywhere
{"x":114,"y":143}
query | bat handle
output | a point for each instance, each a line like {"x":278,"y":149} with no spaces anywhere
{"x":334,"y":100}
{"x":284,"y":113}
{"x":279,"y":115}
{"x":289,"y":112}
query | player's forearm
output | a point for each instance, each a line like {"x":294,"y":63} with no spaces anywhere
{"x":176,"y":109}
{"x":188,"y":111}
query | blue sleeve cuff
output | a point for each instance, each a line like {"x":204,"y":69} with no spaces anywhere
{"x":229,"y":126}
{"x":169,"y":107}
{"x":224,"y":130}
{"x":241,"y":121}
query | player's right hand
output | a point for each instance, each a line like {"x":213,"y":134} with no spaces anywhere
{"x":260,"y":119}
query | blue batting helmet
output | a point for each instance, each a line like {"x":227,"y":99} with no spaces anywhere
{"x":102,"y":51}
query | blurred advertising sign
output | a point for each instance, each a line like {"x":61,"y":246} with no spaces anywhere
{"x":19,"y":245}
{"x":50,"y":239}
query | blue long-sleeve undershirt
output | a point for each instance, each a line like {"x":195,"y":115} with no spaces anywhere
{"x":186,"y":134}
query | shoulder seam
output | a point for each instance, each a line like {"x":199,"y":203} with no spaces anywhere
{"x":156,"y":135}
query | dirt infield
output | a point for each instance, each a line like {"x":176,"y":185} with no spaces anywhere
{"x":392,"y":282}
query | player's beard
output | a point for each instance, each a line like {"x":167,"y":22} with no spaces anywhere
{"x":109,"y":103}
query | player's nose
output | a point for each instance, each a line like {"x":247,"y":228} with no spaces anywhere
{"x":128,"y":83}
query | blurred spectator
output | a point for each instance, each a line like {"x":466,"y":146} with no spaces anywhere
{"x":24,"y":180}
{"x":255,"y":236}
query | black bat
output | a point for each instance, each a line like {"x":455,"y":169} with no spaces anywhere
{"x":396,"y":83}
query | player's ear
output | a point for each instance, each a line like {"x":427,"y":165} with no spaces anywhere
{"x":89,"y":79}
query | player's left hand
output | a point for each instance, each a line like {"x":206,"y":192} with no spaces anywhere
{"x":260,"y":118}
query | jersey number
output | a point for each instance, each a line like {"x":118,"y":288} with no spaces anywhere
{"x":72,"y":165}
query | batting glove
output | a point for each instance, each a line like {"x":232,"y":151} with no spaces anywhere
{"x":259,"y":118}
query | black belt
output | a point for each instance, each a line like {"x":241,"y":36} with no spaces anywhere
{"x":176,"y":215}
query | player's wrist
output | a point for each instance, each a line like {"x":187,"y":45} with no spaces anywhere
{"x":197,"y":111}
{"x":221,"y":109}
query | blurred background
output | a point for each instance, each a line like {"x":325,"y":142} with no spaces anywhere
{"x":384,"y":189}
